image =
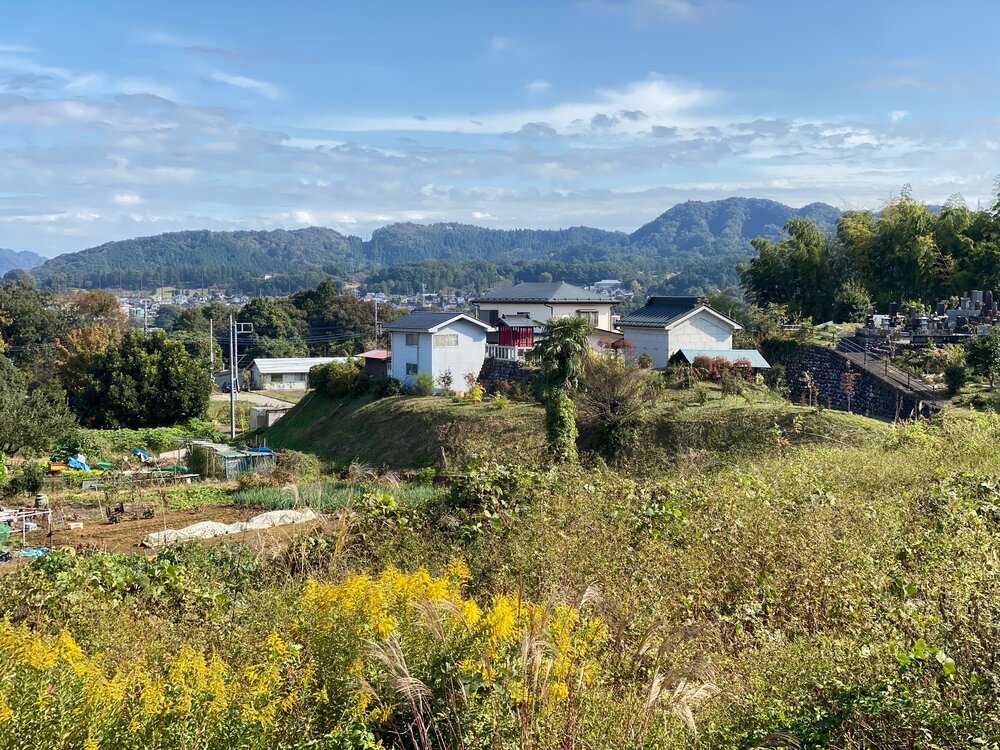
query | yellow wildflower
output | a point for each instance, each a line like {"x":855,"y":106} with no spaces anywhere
{"x":6,"y":712}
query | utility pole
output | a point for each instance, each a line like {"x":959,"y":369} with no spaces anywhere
{"x":211,"y":349}
{"x":235,"y":329}
{"x":376,"y":322}
{"x":232,"y":377}
{"x":145,"y":320}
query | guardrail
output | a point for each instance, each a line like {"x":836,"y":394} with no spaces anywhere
{"x":876,"y":360}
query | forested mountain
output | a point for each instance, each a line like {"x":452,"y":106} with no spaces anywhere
{"x":701,"y":241}
{"x":25,"y":260}
{"x":202,"y":258}
{"x":723,"y":227}
{"x":409,"y":243}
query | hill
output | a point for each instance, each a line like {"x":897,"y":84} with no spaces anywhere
{"x":723,"y":227}
{"x":24,"y":260}
{"x":690,"y":232}
{"x":203,"y":257}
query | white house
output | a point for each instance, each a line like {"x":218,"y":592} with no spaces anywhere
{"x":437,"y":342}
{"x":667,"y":324}
{"x":285,"y":373}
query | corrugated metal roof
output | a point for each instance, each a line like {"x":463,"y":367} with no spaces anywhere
{"x":659,"y":312}
{"x":540,"y":291}
{"x":518,"y":321}
{"x":425,"y":322}
{"x":730,"y":355}
{"x":281,"y":365}
{"x":376,"y":354}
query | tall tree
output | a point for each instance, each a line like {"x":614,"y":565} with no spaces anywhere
{"x":560,"y":353}
{"x":142,"y":382}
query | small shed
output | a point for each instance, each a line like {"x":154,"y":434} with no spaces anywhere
{"x":285,"y":373}
{"x":377,"y":363}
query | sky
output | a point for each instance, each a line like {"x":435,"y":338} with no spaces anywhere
{"x":125,"y":119}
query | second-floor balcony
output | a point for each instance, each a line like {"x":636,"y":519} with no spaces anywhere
{"x":513,"y":353}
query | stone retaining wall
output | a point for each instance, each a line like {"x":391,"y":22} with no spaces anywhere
{"x":873,"y":397}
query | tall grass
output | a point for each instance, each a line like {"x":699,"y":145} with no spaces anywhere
{"x":329,"y":495}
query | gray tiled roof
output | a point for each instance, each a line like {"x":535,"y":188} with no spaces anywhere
{"x":518,"y":321}
{"x":554,"y":291}
{"x":427,"y":321}
{"x":660,"y":311}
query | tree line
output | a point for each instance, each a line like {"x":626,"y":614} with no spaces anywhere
{"x":905,"y":252}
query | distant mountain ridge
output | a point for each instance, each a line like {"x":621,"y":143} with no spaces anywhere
{"x":23,"y":259}
{"x":688,"y":231}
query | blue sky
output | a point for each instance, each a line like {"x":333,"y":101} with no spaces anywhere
{"x":120,"y":119}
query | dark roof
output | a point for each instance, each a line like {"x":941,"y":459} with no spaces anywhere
{"x":518,"y":321}
{"x":553,"y":291}
{"x":660,"y":311}
{"x":753,"y":356}
{"x":427,"y":321}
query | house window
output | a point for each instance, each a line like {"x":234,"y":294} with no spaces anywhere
{"x":412,"y":339}
{"x":589,"y":315}
{"x":411,"y":368}
{"x":277,"y":378}
{"x":445,"y":339}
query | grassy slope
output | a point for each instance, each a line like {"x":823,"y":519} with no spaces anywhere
{"x":404,"y":432}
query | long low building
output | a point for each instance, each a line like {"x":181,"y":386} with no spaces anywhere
{"x":285,"y":373}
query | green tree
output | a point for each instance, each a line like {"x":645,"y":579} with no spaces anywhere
{"x":801,"y":271}
{"x":984,"y":355}
{"x":31,"y":421}
{"x":560,"y":352}
{"x":142,"y":382}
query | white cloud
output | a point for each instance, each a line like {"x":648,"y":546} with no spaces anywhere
{"x":127,"y":199}
{"x":268,"y":90}
{"x":632,"y":109}
{"x":538,"y":86}
{"x":898,"y":114}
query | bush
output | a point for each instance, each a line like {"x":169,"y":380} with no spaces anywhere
{"x":29,"y":478}
{"x":423,"y":384}
{"x":475,"y":393}
{"x":500,"y":401}
{"x":3,"y":470}
{"x":303,"y":466}
{"x":338,"y":379}
{"x":956,"y":375}
{"x":386,"y":387}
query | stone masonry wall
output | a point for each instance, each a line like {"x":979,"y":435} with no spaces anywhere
{"x":872,"y":397}
{"x":494,"y":370}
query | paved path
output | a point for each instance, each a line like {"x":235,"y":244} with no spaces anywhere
{"x":258,"y":399}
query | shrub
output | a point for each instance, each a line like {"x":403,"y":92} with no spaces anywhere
{"x":445,"y":381}
{"x":956,"y":375}
{"x":29,"y":478}
{"x":475,"y":393}
{"x":386,"y":387}
{"x":645,"y":361}
{"x":3,"y":470}
{"x":303,"y":466}
{"x":423,"y":384}
{"x":338,"y":379}
{"x":500,"y":401}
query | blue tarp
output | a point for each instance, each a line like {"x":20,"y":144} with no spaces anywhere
{"x":77,"y":465}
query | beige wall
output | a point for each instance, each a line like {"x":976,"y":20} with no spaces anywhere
{"x":541,"y":313}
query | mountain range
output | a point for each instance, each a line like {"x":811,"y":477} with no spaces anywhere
{"x":690,"y":231}
{"x":12,"y":259}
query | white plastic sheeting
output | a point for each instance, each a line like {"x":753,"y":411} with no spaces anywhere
{"x":210,"y":529}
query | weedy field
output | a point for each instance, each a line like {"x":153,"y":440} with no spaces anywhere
{"x":775,"y":590}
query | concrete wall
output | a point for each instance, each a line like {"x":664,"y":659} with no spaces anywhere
{"x":467,"y":357}
{"x":652,"y":341}
{"x":872,"y":397}
{"x":701,"y":331}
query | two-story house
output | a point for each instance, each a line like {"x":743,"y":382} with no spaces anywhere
{"x":517,"y":311}
{"x":436,"y":343}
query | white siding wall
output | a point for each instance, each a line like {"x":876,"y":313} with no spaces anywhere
{"x":468,"y":356}
{"x":541,"y":313}
{"x":702,"y":331}
{"x":652,"y":341}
